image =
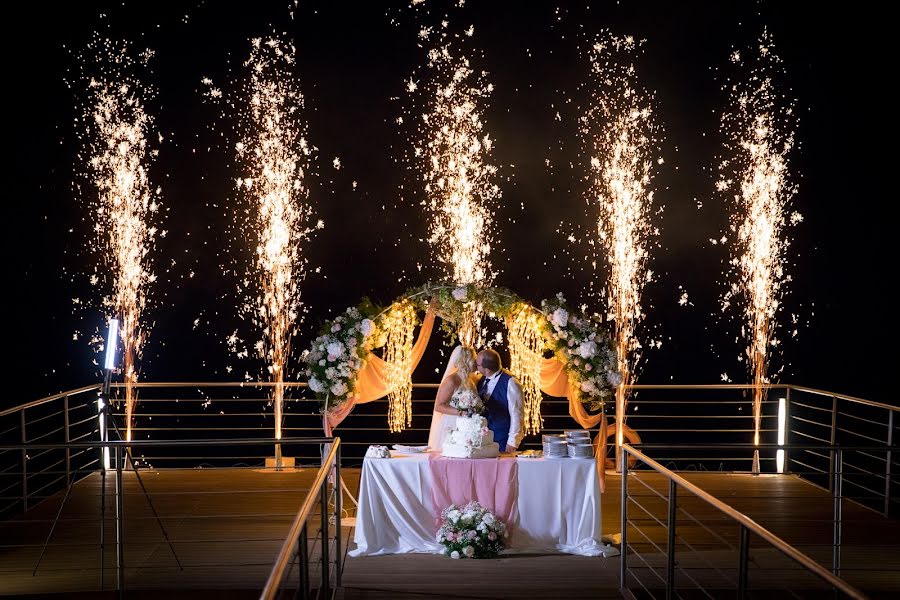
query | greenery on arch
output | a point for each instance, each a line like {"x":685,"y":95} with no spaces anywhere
{"x":581,"y":342}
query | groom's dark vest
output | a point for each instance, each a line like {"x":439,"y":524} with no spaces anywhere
{"x":497,"y":408}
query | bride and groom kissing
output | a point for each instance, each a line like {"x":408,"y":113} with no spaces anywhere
{"x":481,"y":374}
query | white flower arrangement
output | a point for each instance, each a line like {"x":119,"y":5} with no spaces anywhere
{"x":580,"y":342}
{"x":584,"y":347}
{"x":467,"y":402}
{"x":472,"y":531}
{"x":559,"y":318}
{"x":337,"y":355}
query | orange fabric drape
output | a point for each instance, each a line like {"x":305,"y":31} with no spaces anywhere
{"x":371,"y":384}
{"x":555,"y":382}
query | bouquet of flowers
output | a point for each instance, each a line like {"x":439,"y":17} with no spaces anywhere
{"x":339,"y":353}
{"x":583,"y":344}
{"x":467,"y":402}
{"x":471,"y":532}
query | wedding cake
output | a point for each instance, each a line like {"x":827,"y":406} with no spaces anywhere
{"x":471,"y":438}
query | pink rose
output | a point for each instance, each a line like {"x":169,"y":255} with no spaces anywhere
{"x":492,"y":536}
{"x":473,"y":534}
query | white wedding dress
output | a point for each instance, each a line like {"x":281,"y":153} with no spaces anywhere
{"x":441,"y":423}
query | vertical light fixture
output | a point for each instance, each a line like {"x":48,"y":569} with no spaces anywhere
{"x":782,"y":418}
{"x":109,"y":366}
{"x":111,"y":340}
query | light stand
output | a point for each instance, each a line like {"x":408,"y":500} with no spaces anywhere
{"x":127,"y":456}
{"x":106,"y":418}
{"x":123,"y":458}
{"x":103,"y":415}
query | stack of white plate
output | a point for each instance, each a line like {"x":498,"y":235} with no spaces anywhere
{"x":581,"y":450}
{"x":578,"y":443}
{"x":554,"y":446}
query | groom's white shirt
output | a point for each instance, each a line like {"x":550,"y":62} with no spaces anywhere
{"x":514,"y":397}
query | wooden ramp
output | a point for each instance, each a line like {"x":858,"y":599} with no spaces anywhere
{"x":227,"y":525}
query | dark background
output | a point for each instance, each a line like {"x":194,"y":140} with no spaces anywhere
{"x":352,"y":59}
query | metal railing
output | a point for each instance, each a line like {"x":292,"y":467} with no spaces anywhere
{"x":820,"y":417}
{"x":243,"y":409}
{"x":835,"y":497}
{"x":296,"y":553}
{"x":662,"y":562}
{"x":27,"y":479}
{"x":713,"y":414}
{"x":122,"y":467}
{"x":721,"y":415}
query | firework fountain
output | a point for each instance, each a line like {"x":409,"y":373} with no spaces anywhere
{"x":759,"y":129}
{"x":620,"y":136}
{"x":453,"y":150}
{"x":117,"y":129}
{"x":274,"y":155}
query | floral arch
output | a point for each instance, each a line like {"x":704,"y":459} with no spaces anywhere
{"x":343,"y":369}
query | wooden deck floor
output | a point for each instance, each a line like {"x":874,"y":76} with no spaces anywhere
{"x":228,"y":525}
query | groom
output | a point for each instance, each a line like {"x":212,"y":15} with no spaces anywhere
{"x":502,"y":396}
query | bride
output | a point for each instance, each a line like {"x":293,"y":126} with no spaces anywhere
{"x":459,"y":378}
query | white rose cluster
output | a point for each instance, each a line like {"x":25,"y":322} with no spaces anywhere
{"x":471,"y":531}
{"x":336,"y":357}
{"x":559,"y":318}
{"x":582,"y":344}
{"x":467,"y":402}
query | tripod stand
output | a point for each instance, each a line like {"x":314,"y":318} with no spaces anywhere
{"x":106,"y":418}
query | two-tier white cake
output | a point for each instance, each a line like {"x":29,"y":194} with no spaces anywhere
{"x":471,"y":438}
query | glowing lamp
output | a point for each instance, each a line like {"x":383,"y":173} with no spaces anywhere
{"x":111,"y":340}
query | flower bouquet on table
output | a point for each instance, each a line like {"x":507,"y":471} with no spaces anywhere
{"x":471,"y":532}
{"x":467,"y":402}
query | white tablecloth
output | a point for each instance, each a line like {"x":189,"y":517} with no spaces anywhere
{"x":558,"y":507}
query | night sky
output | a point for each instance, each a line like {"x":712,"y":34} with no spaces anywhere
{"x":353,"y":60}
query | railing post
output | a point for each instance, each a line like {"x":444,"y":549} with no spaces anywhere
{"x":838,"y":506}
{"x":120,"y":525}
{"x":833,"y":439}
{"x":303,"y":575}
{"x":102,"y":519}
{"x":787,"y":431}
{"x":670,"y":557}
{"x":623,"y":551}
{"x":743,"y":561}
{"x":887,"y":466}
{"x":24,"y":461}
{"x":66,"y":431}
{"x":324,"y":590}
{"x":338,"y":501}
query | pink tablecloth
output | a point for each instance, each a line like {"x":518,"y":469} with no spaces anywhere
{"x":557,"y":502}
{"x":491,"y":482}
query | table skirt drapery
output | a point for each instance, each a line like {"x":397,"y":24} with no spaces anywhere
{"x":557,"y":506}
